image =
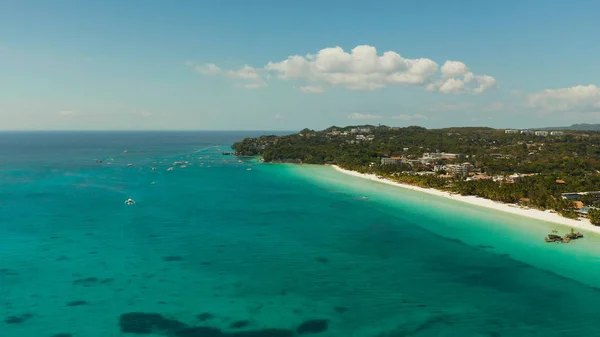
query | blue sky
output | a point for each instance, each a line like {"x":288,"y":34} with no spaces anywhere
{"x":222,"y":65}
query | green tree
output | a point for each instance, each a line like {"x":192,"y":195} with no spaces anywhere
{"x":594,"y":216}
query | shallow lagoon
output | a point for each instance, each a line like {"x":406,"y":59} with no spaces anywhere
{"x":274,"y":247}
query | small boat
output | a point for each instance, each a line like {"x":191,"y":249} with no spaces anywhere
{"x":183,"y":166}
{"x":249,"y":169}
{"x":154,"y":169}
{"x":152,"y":183}
{"x":170,"y":169}
{"x":129,"y":201}
{"x":129,"y":165}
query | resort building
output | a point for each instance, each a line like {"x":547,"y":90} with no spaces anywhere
{"x":511,"y":131}
{"x":541,"y":133}
{"x":526,"y":132}
{"x":392,"y":160}
{"x":556,"y":133}
{"x":577,"y":195}
{"x":441,"y":155}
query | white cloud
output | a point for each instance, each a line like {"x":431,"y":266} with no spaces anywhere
{"x":249,"y":76}
{"x":145,"y":114}
{"x":457,"y":79}
{"x":357,"y":115}
{"x":578,"y":98}
{"x":452,"y":85}
{"x":454,"y":69}
{"x":207,"y":68}
{"x":309,"y":89}
{"x":410,"y":117}
{"x":278,"y":116}
{"x":66,"y":113}
{"x":361,"y":69}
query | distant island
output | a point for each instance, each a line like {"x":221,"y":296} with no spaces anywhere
{"x":575,"y":127}
{"x":543,"y":169}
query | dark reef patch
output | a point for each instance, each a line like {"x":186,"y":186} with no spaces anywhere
{"x":340,"y":309}
{"x":146,"y":323}
{"x":17,"y":319}
{"x":313,"y":326}
{"x":322,"y":259}
{"x":90,"y":281}
{"x":200,"y":331}
{"x":172,"y":258}
{"x":262,"y":333}
{"x":7,"y":272}
{"x":239,"y":324}
{"x":205,"y":316}
{"x":76,"y":303}
{"x":152,"y":323}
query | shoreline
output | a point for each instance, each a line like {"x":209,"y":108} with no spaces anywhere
{"x":583,"y":224}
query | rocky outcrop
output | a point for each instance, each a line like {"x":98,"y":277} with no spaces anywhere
{"x":563,"y":239}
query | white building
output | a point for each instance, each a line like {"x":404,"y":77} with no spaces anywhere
{"x":541,"y":133}
{"x":511,"y":131}
{"x":392,"y":161}
{"x":556,"y":133}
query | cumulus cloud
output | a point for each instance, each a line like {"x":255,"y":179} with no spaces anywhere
{"x":310,"y":89}
{"x":362,"y":68}
{"x":248,"y":77}
{"x":456,"y":78}
{"x":410,"y":117}
{"x":357,"y":115}
{"x":579,"y":98}
{"x":208,"y":68}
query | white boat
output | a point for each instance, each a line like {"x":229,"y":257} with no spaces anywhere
{"x":129,"y":201}
{"x":129,"y":165}
{"x":170,"y":169}
{"x":183,"y":166}
{"x":249,"y":169}
{"x":154,"y":169}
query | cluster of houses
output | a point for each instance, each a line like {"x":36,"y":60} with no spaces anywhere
{"x":578,"y":205}
{"x":467,"y":169}
{"x":358,"y":134}
{"x":540,"y":133}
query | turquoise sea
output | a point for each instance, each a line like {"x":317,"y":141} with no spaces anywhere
{"x":224,"y":248}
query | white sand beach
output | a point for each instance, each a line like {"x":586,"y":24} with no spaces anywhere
{"x":582,"y":223}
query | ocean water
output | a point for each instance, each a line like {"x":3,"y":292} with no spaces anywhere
{"x":245,"y":248}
